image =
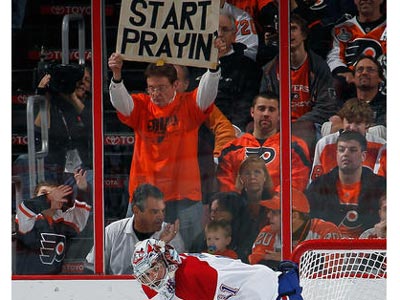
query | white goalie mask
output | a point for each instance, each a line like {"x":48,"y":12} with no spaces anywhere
{"x":154,"y":265}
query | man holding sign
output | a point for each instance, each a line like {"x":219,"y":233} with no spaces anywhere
{"x":177,"y":31}
{"x":166,"y":124}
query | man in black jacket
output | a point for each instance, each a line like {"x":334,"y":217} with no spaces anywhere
{"x":313,"y":97}
{"x":240,"y":76}
{"x":349,"y":194}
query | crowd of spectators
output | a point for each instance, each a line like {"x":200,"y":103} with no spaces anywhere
{"x":232,"y":206}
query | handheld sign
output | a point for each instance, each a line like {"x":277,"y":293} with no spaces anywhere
{"x":174,"y":31}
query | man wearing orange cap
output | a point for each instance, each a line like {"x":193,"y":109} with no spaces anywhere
{"x":267,"y":246}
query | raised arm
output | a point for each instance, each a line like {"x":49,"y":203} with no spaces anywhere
{"x":208,"y":85}
{"x":119,"y":96}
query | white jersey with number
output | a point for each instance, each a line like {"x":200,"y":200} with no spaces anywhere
{"x":246,"y":31}
{"x":208,"y":277}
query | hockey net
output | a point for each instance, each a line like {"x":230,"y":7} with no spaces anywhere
{"x":342,"y":269}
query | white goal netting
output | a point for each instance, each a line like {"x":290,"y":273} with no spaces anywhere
{"x":343,"y":270}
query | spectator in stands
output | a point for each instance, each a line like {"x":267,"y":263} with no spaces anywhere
{"x":356,"y":116}
{"x":313,"y":98}
{"x":264,"y":142}
{"x":82,"y":96}
{"x":267,"y":31}
{"x":218,"y":238}
{"x":255,"y":185}
{"x":46,"y":224}
{"x":379,"y":229}
{"x":214,"y":133}
{"x":348,"y":194}
{"x":240,"y":77}
{"x":69,"y":129}
{"x":268,"y":244}
{"x":365,"y":33}
{"x":120,"y":237}
{"x":166,"y":123}
{"x":246,"y":38}
{"x":320,"y":16}
{"x":258,"y":10}
{"x":230,"y":207}
{"x":368,"y":79}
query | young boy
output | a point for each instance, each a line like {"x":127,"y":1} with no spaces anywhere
{"x":218,"y":238}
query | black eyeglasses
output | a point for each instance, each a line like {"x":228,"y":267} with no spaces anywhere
{"x":366,"y":69}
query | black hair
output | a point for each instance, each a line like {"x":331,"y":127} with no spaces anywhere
{"x":143,"y":192}
{"x":353,"y":135}
{"x":297,"y":19}
{"x":374,"y":60}
{"x":267,"y":94}
{"x":229,"y":201}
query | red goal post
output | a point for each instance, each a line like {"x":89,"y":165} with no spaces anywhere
{"x":342,"y":269}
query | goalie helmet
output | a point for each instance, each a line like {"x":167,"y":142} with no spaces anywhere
{"x":154,"y":264}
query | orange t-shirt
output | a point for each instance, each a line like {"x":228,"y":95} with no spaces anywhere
{"x":301,"y":99}
{"x":165,"y":150}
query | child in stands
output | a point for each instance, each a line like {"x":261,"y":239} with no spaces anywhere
{"x":218,"y":238}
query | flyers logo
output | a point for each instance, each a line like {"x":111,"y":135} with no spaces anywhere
{"x":266,"y":153}
{"x":362,"y":46}
{"x":318,"y":5}
{"x":53,"y":248}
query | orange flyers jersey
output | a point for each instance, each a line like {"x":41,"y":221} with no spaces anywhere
{"x":325,"y":153}
{"x":252,"y":7}
{"x":350,"y":41}
{"x":268,"y":241}
{"x":236,"y":151}
{"x":165,"y":151}
{"x":301,"y":98}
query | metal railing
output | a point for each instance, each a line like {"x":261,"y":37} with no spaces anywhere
{"x":36,"y":158}
{"x":65,"y":37}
